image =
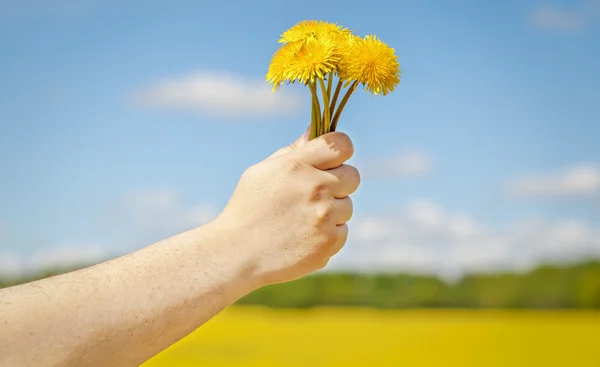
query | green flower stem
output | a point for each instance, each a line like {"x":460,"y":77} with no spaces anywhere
{"x":326,"y":124}
{"x":336,"y":117}
{"x":329,"y":84}
{"x":316,"y":106}
{"x":313,"y":122}
{"x":335,"y":96}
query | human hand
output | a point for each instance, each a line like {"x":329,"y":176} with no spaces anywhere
{"x":288,"y":214}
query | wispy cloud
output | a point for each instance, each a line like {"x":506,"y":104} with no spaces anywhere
{"x":424,"y":237}
{"x":55,"y":257}
{"x":411,"y":164}
{"x":568,"y":20}
{"x":149,"y":215}
{"x":141,"y":217}
{"x":580,"y":180}
{"x":219,"y":94}
{"x":10,"y":265}
{"x":421,"y":237}
{"x":65,"y":256}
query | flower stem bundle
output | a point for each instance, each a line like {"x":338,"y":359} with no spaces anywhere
{"x":316,"y":53}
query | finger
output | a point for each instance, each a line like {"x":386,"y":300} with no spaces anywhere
{"x":326,"y":151}
{"x":342,"y":237}
{"x":342,"y":210}
{"x":345,"y":180}
{"x":303,"y":139}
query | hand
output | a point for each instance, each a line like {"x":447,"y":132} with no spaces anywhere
{"x":288,"y":213}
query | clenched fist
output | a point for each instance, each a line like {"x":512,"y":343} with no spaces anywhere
{"x":289,"y":212}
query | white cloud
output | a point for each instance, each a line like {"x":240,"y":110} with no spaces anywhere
{"x":219,"y":94}
{"x":10,"y":265}
{"x":153,"y":214}
{"x":556,"y":18}
{"x":65,"y":256}
{"x":424,"y":237}
{"x":60,"y":256}
{"x":583,"y":179}
{"x":144,"y":216}
{"x":141,"y":218}
{"x":421,"y":237}
{"x":411,"y":164}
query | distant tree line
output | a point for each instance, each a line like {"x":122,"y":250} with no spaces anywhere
{"x":546,"y":287}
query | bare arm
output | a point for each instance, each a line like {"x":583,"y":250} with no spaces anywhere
{"x":122,"y":312}
{"x":286,"y":219}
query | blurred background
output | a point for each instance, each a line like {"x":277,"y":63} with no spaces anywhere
{"x":476,"y":234}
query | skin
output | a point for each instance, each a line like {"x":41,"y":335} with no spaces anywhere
{"x":286,"y":218}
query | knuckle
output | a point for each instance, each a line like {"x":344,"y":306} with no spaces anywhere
{"x":323,"y":242}
{"x":293,"y":165}
{"x":327,"y":240}
{"x":323,"y":214}
{"x":317,"y":192}
{"x":331,"y":238}
{"x":310,"y":153}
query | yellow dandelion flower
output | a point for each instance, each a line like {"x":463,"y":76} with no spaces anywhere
{"x":346,"y":46}
{"x":302,"y":61}
{"x":312,"y":29}
{"x":372,"y":63}
{"x":314,"y":59}
{"x":280,"y":64}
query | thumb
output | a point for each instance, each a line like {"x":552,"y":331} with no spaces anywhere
{"x":303,"y":139}
{"x":327,"y":151}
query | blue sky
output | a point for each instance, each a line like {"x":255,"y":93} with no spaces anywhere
{"x":117,"y":127}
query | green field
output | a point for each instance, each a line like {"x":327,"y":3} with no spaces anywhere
{"x":245,"y":336}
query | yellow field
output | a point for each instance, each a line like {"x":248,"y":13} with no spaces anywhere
{"x":354,"y":337}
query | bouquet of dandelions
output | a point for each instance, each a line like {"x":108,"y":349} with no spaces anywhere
{"x":315,"y":52}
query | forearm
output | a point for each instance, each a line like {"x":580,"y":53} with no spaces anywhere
{"x":122,"y":312}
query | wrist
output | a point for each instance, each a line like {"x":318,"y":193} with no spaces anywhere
{"x":216,"y":248}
